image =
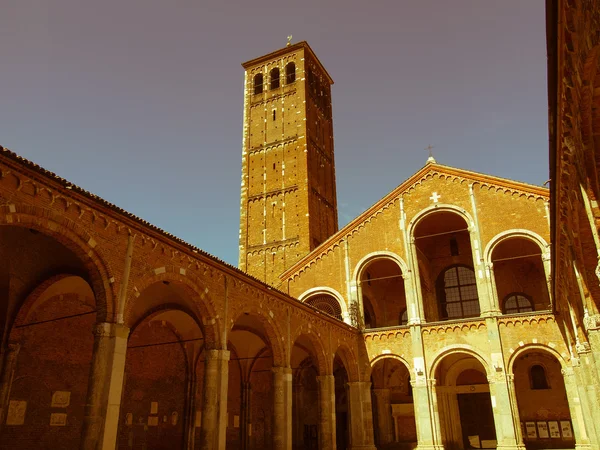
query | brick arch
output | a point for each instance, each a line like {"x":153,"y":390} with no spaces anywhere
{"x":31,"y":302}
{"x":367,"y":259}
{"x":75,"y":238}
{"x":274,"y":334}
{"x":440,"y":208}
{"x":458,"y":348}
{"x":319,"y":347}
{"x":515,"y":233}
{"x":533,"y":347}
{"x":399,"y":358}
{"x":325,"y":290}
{"x":201,"y":308}
{"x":349,"y":360}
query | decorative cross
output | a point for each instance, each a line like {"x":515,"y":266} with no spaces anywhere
{"x":429,"y":148}
{"x":435,"y":197}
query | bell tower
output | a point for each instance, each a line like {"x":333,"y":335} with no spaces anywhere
{"x":288,"y":197}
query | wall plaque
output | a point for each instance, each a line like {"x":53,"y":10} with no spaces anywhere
{"x":530,"y":427}
{"x":542,"y":428}
{"x":61,"y":399}
{"x":565,"y":428}
{"x":58,"y":419}
{"x":554,"y":429}
{"x":16,"y":412}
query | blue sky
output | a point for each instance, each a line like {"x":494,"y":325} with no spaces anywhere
{"x":140,"y":101}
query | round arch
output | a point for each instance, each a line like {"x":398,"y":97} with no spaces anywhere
{"x":515,"y":233}
{"x":458,"y":348}
{"x":439,"y":208}
{"x":379,"y":358}
{"x":72,"y":236}
{"x":201,"y":305}
{"x":330,"y":291}
{"x":365,"y":260}
{"x":349,"y":360}
{"x":274,"y":335}
{"x":318,"y":347}
{"x":532,"y":347}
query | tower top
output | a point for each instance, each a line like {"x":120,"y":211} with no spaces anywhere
{"x":287,"y":49}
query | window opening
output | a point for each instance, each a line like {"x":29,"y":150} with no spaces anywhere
{"x":290,"y":73}
{"x":274,"y":114}
{"x":274,"y":78}
{"x":258,"y":83}
{"x":327,"y":304}
{"x":538,"y":378}
{"x":404,"y":317}
{"x":457,"y":293}
{"x":517,"y":303}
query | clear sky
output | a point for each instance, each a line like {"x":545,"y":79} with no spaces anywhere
{"x":140,"y":101}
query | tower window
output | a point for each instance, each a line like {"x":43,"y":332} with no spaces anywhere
{"x":538,"y":378}
{"x":274,"y":78}
{"x":258,"y":83}
{"x":274,"y":114}
{"x":290,"y":73}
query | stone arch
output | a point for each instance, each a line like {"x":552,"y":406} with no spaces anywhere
{"x":273,"y":334}
{"x":318,"y":346}
{"x":75,"y":238}
{"x":365,"y":260}
{"x":349,"y":360}
{"x":519,"y":232}
{"x":437,"y":208}
{"x":529,"y":347}
{"x":403,"y":361}
{"x":328,"y":291}
{"x":458,"y":348}
{"x":202,"y":308}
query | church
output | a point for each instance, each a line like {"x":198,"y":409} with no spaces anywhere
{"x":460,"y":311}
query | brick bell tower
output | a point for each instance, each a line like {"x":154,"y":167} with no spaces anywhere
{"x":288,"y":198}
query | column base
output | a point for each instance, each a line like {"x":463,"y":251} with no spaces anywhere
{"x":429,"y":447}
{"x":511,"y":447}
{"x":583,"y":446}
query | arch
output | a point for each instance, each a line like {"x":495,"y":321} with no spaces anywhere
{"x":75,"y":238}
{"x":348,"y":359}
{"x":327,"y":290}
{"x":458,"y":348}
{"x":530,"y":347}
{"x":439,"y":208}
{"x":257,"y":83}
{"x":319,"y":350}
{"x":201,"y":306}
{"x":378,"y":358}
{"x":274,"y":78}
{"x":273,"y":334}
{"x":517,"y":232}
{"x":290,"y":72}
{"x":383,"y":254}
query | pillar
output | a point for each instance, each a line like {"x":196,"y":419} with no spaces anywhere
{"x":507,"y":435}
{"x":214,"y":400}
{"x":427,"y":419}
{"x":282,"y":408}
{"x":326,"y":412}
{"x":361,"y":416}
{"x":245,"y":415}
{"x":582,"y":440}
{"x":105,"y":385}
{"x":6,"y":379}
{"x":190,"y":411}
{"x":384,"y":415}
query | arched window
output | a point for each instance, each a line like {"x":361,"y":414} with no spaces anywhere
{"x":457,"y":293}
{"x":404,"y":317}
{"x":517,"y":303}
{"x":290,"y":73}
{"x":326,"y":303}
{"x":274,"y":78}
{"x":258,"y":83}
{"x":538,"y":378}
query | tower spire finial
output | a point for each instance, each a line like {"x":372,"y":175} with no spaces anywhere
{"x":431,"y":159}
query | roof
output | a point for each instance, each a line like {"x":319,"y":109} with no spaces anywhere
{"x":430,"y":166}
{"x":282,"y":51}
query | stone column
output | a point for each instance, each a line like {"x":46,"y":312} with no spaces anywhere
{"x":491,"y":282}
{"x":282,"y":408}
{"x":245,"y":415}
{"x":326,"y":412}
{"x":512,"y":393}
{"x":361,"y":416}
{"x":416,"y":311}
{"x":504,"y":420}
{"x":426,"y":414}
{"x":105,"y":385}
{"x":214,"y":400}
{"x":6,"y":378}
{"x":582,"y":439}
{"x":189,"y":412}
{"x":384,"y":415}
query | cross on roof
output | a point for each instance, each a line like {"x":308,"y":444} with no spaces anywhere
{"x":429,"y":148}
